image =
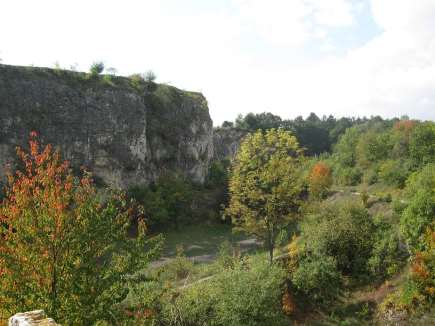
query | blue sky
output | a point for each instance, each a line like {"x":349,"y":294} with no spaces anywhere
{"x":289,"y":57}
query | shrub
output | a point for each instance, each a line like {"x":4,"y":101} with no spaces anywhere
{"x":420,"y":211}
{"x":345,"y":149}
{"x":348,"y":176}
{"x":108,"y":79}
{"x":341,"y":231}
{"x":393,"y":172}
{"x":371,"y":176}
{"x":387,"y":256}
{"x":167,"y":202}
{"x":96,"y":68}
{"x":418,"y":291}
{"x":423,"y":266}
{"x":227,"y":257}
{"x":178,"y":268}
{"x":318,"y":278}
{"x":320,"y":180}
{"x":416,"y":217}
{"x":422,"y":144}
{"x":372,"y":147}
{"x":365,"y":198}
{"x":240,"y":296}
{"x":218,"y":174}
{"x":136,"y":81}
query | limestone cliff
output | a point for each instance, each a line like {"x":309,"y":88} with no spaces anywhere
{"x":226,"y":142}
{"x":126,"y":133}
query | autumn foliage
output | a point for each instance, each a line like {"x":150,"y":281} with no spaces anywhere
{"x":288,"y":303}
{"x":320,"y":180}
{"x":405,"y":126}
{"x":61,"y":248}
{"x":423,"y":266}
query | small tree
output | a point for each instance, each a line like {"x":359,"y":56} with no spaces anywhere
{"x":320,"y":180}
{"x":265,"y":186}
{"x":96,"y":68}
{"x":62,"y":249}
{"x":422,"y":143}
{"x":150,"y":76}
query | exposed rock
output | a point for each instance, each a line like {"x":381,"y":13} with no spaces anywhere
{"x":31,"y":318}
{"x":226,"y":142}
{"x":123,"y":133}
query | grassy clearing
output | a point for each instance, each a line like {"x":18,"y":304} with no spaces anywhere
{"x":200,"y":239}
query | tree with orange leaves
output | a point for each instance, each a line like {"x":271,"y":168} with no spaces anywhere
{"x":423,"y":265}
{"x":62,"y":248}
{"x":320,"y":180}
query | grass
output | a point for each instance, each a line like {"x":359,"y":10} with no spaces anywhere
{"x":198,"y":240}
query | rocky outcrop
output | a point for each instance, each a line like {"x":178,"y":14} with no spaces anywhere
{"x":31,"y":318}
{"x":126,"y":133}
{"x":226,"y":142}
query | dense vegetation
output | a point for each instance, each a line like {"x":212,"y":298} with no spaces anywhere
{"x":345,"y":209}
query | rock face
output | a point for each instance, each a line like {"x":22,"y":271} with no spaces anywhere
{"x":226,"y":142}
{"x":125,"y":133}
{"x":31,"y":318}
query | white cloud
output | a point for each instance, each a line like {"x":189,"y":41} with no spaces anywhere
{"x":332,"y":12}
{"x":219,"y":52}
{"x":285,"y":22}
{"x":391,"y":75}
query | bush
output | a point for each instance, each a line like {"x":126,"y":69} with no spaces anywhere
{"x":136,"y":81}
{"x":418,"y":291}
{"x":318,"y":278}
{"x":178,"y":268}
{"x":422,"y":144}
{"x":393,"y":172}
{"x":341,"y":231}
{"x":372,"y":147}
{"x":218,"y":174}
{"x":416,"y":217}
{"x":387,"y":256}
{"x":348,"y":176}
{"x":96,"y":68}
{"x":227,"y":257}
{"x":370,"y":176}
{"x":166,"y":202}
{"x":240,"y":296}
{"x":420,"y":210}
{"x":320,"y":180}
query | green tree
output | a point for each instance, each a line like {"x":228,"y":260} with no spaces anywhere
{"x":345,"y":149}
{"x":422,"y":143}
{"x":420,"y":211}
{"x":61,"y":248}
{"x":265,"y":185}
{"x":150,"y":76}
{"x":167,"y":201}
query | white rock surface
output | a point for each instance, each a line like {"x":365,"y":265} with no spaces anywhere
{"x":31,"y":318}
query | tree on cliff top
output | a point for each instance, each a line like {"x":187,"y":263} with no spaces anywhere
{"x":265,"y":185}
{"x":61,"y":249}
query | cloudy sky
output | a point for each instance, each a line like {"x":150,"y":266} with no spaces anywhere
{"x":289,"y":57}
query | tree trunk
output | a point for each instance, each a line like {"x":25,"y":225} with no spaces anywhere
{"x":271,"y":253}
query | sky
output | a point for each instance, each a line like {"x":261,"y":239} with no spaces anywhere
{"x":288,"y":57}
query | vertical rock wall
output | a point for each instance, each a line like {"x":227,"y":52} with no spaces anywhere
{"x":123,"y":133}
